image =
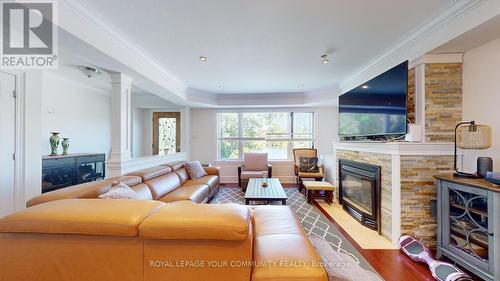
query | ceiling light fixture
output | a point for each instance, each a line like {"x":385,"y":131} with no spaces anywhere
{"x":301,"y":86}
{"x":365,"y":87}
{"x":324,"y":59}
{"x":203,"y":59}
{"x":90,"y":72}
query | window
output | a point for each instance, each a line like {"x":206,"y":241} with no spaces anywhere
{"x":276,"y":133}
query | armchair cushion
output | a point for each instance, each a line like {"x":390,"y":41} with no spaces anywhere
{"x":311,"y":175}
{"x":308,"y":164}
{"x":252,"y":174}
{"x":255,"y":162}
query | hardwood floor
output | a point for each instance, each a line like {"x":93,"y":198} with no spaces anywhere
{"x":392,"y":265}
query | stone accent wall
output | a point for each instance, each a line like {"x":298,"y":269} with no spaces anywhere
{"x":443,"y":100}
{"x":410,"y":98}
{"x":385,"y":161}
{"x":417,"y":191}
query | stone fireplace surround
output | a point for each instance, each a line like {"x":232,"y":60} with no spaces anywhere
{"x":407,"y":186}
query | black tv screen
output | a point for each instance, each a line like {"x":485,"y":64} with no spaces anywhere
{"x":377,"y":107}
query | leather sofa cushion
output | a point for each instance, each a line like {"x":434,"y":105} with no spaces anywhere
{"x":150,"y":173}
{"x":245,"y":175}
{"x":143,"y":192}
{"x":163,"y":184}
{"x":175,"y":165}
{"x":183,"y":175}
{"x":82,"y":216}
{"x":211,"y":181}
{"x":214,"y":171}
{"x":198,"y":222}
{"x":197,"y":193}
{"x":279,"y":236}
{"x":85,"y":190}
{"x":275,"y":220}
{"x":293,"y":248}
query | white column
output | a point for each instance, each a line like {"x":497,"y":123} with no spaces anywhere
{"x":121,"y":86}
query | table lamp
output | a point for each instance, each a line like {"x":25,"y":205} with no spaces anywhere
{"x":469,"y":135}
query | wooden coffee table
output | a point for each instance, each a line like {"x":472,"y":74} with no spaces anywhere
{"x":273,"y":192}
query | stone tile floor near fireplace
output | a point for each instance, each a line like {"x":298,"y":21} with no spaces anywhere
{"x":365,"y":237}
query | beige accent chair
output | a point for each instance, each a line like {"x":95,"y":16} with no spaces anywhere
{"x":306,"y":152}
{"x":254,"y":164}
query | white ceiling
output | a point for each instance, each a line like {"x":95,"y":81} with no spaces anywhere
{"x":264,"y":46}
{"x":481,"y":34}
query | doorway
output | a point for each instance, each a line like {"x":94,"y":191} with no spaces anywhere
{"x":166,"y":133}
{"x":7,"y":147}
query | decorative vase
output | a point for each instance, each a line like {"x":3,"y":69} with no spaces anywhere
{"x":65,"y":145}
{"x":264,"y":179}
{"x":54,"y":143}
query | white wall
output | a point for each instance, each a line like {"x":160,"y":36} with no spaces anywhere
{"x":481,"y":97}
{"x":140,"y":147}
{"x":32,"y":162}
{"x":204,"y":142}
{"x":77,"y":111}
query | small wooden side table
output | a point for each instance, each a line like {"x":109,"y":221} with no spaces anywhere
{"x":319,"y":190}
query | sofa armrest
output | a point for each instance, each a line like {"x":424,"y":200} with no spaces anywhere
{"x":214,"y":171}
{"x":269,"y":170}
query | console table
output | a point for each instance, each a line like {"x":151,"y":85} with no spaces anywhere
{"x":65,"y":170}
{"x":469,"y":224}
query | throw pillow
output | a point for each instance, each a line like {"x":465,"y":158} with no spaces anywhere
{"x":308,"y":165}
{"x":194,"y":169}
{"x":119,"y":190}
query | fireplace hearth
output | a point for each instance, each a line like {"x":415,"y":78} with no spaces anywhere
{"x":359,"y":192}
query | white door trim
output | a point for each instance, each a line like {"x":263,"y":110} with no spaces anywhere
{"x":20,"y":142}
{"x":19,"y":139}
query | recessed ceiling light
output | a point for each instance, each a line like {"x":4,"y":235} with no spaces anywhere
{"x":365,"y":87}
{"x":202,"y":58}
{"x":324,"y":59}
{"x":220,"y":87}
{"x":301,"y":86}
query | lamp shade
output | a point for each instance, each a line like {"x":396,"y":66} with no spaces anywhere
{"x":473,"y":136}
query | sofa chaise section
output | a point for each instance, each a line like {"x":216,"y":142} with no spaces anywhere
{"x":280,"y":240}
{"x":75,"y":239}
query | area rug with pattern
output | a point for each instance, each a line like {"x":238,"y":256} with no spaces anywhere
{"x":313,"y":221}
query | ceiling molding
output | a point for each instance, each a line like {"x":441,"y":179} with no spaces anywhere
{"x":452,"y":12}
{"x":446,"y":24}
{"x":77,"y":8}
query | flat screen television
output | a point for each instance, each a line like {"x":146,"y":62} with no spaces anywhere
{"x":376,"y":108}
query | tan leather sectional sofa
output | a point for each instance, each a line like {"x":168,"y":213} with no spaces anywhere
{"x":166,"y":183}
{"x":68,"y":235}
